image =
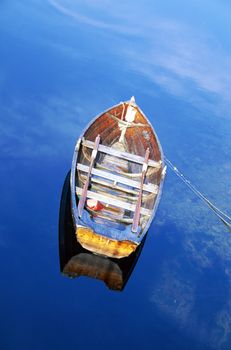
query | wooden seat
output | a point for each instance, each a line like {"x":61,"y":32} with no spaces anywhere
{"x":112,"y":200}
{"x":125,"y":155}
{"x":119,"y":179}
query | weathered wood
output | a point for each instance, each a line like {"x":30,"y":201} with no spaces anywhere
{"x":120,"y":179}
{"x":121,"y":195}
{"x":112,"y":183}
{"x":86,"y":185}
{"x":113,"y":186}
{"x":103,"y":245}
{"x":112,"y":200}
{"x":96,"y":181}
{"x":136,"y":219}
{"x":128,"y":156}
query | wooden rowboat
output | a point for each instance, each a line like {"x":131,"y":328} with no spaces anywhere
{"x":116,"y":181}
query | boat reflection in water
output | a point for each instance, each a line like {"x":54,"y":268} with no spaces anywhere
{"x":75,"y":261}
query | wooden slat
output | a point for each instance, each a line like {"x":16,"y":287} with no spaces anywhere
{"x":111,"y":185}
{"x":120,"y":179}
{"x":112,"y":200}
{"x":86,"y":185}
{"x":116,"y":153}
{"x":136,"y":218}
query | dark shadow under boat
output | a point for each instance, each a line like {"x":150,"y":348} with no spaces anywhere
{"x":75,"y":261}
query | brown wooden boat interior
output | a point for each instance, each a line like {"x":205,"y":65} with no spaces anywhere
{"x":120,"y":197}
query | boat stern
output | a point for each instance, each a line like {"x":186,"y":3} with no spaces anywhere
{"x":102,"y":245}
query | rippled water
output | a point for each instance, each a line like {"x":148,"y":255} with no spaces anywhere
{"x":63,"y":62}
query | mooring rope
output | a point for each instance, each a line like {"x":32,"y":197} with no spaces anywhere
{"x":226,"y":219}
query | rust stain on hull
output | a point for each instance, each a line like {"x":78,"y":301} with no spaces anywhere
{"x":102,"y":245}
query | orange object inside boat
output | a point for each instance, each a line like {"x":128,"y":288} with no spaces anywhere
{"x":94,"y":204}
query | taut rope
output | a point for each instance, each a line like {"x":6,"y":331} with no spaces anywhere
{"x":219,"y":213}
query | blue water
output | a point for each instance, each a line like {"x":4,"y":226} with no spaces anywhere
{"x":61,"y":63}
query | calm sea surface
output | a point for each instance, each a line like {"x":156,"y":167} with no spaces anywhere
{"x":62,"y":63}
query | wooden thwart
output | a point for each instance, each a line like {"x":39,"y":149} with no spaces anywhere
{"x":120,"y":179}
{"x":112,"y":200}
{"x":116,"y":153}
{"x":113,"y":186}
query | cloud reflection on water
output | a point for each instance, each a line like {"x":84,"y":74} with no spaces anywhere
{"x":171,"y":53}
{"x":194,"y":289}
{"x":157,"y":52}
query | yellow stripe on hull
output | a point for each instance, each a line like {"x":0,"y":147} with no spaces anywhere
{"x":102,"y":245}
